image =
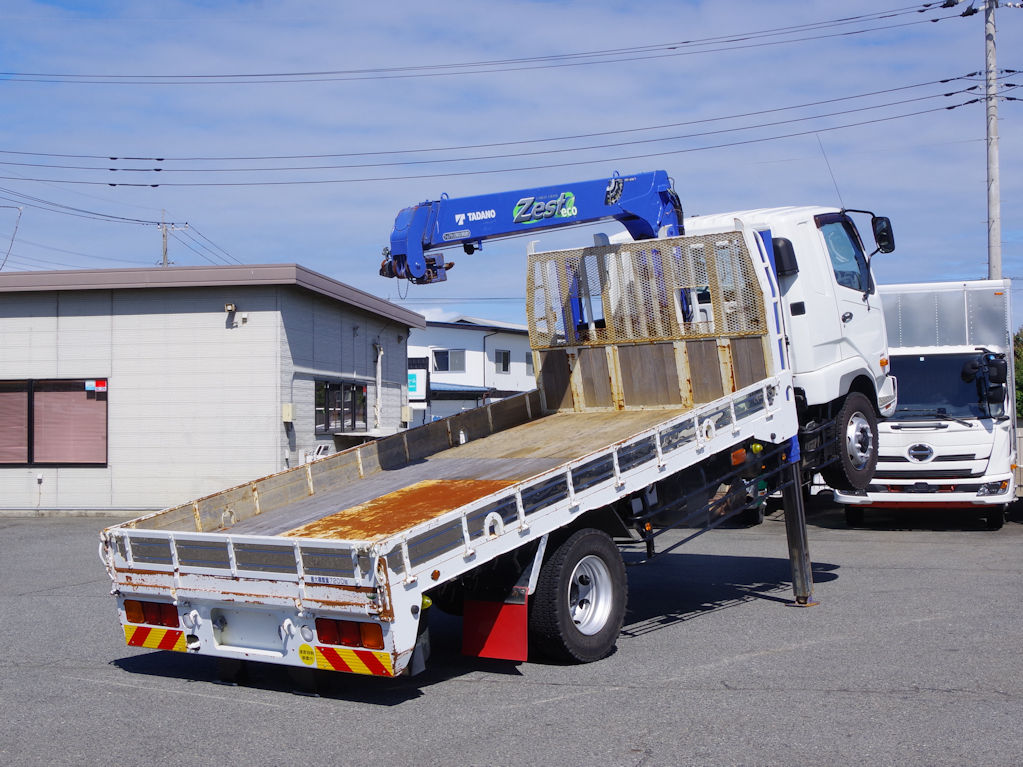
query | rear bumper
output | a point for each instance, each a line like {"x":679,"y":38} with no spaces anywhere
{"x":269,"y":634}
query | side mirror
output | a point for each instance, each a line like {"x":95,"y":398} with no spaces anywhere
{"x":784,"y":257}
{"x":997,"y":370}
{"x":884,"y":237}
{"x":996,"y":394}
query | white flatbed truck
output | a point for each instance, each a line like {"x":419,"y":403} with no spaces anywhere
{"x":667,"y":396}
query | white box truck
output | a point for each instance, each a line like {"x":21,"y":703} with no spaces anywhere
{"x":951,"y":443}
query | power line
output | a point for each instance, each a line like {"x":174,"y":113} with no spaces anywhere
{"x":493,"y":171}
{"x":214,"y":245}
{"x":55,"y":207}
{"x":14,"y":234}
{"x":490,"y":145}
{"x":608,"y":56}
{"x":43,"y":246}
{"x":533,"y":153}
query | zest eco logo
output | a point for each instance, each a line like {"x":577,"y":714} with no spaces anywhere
{"x":529,"y":210}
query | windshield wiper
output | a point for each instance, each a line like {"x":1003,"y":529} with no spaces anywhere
{"x":938,"y":413}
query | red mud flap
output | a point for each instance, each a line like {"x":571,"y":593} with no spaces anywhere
{"x":495,"y":630}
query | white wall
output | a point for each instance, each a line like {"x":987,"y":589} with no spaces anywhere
{"x":192,"y":402}
{"x":479,"y":370}
{"x":195,"y":394}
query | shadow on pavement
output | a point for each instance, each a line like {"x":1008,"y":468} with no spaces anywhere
{"x":823,"y":512}
{"x":676,"y":588}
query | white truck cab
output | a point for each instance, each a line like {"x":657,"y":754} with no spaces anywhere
{"x":832,"y":315}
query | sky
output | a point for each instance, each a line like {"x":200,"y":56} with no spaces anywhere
{"x":294,"y":132}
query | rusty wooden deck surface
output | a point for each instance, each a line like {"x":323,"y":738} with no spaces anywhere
{"x":388,"y":502}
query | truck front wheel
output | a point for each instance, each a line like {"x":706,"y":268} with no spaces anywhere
{"x":577,"y":610}
{"x":996,"y":517}
{"x":856,"y":445}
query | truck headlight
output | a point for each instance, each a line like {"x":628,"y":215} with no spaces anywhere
{"x":994,"y":488}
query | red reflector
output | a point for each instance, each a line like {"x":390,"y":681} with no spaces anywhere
{"x":738,"y":457}
{"x":351,"y":635}
{"x":326,"y":630}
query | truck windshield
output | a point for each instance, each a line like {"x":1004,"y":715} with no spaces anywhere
{"x":931,"y":385}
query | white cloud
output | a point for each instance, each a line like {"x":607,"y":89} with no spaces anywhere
{"x":926,"y":172}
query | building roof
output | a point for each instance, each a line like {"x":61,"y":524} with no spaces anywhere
{"x":455,"y":387}
{"x":206,"y":276}
{"x":474,"y":323}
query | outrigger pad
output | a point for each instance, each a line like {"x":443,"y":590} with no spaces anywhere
{"x":495,"y":630}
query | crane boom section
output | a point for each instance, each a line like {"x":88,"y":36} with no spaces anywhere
{"x":644,"y":203}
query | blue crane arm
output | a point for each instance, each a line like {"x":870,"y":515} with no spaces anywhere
{"x":643,"y":203}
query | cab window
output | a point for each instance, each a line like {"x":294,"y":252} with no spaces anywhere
{"x":847,"y":259}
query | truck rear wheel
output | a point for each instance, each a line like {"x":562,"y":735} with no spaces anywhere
{"x":856,"y":445}
{"x":578,"y":608}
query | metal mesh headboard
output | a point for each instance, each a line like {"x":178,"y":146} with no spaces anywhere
{"x":652,"y":290}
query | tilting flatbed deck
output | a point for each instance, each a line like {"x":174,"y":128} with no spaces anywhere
{"x":392,"y":501}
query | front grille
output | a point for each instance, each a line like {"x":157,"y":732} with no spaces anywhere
{"x":931,"y":474}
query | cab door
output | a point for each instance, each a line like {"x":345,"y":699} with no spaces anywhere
{"x":859,"y":308}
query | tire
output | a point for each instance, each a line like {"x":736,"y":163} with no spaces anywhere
{"x":996,"y":517}
{"x":855,"y":444}
{"x":578,"y":608}
{"x":754,"y":515}
{"x":853,"y":516}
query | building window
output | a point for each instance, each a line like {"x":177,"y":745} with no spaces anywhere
{"x":449,"y":360}
{"x":340,"y":407}
{"x":55,"y":422}
{"x":529,"y":363}
{"x":502,"y":360}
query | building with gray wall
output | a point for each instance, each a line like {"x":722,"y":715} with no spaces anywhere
{"x":136,"y":389}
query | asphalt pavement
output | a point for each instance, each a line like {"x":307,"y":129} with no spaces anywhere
{"x":912,"y":657}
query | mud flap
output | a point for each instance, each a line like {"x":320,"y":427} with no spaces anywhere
{"x":496,"y":630}
{"x":492,"y":629}
{"x":421,"y":652}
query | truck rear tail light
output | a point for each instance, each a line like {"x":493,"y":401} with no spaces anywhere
{"x":326,"y":630}
{"x":372,"y":636}
{"x":153,"y":613}
{"x":133,"y":611}
{"x":350,"y":633}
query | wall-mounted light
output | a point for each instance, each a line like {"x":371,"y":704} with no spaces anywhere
{"x":229,"y":308}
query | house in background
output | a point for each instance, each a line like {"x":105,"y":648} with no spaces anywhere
{"x":135,"y":389}
{"x":459,"y":365}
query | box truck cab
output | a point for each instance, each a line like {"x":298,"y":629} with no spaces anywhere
{"x":951,"y":443}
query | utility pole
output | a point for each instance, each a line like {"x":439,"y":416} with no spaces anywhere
{"x":994,"y":204}
{"x":165,"y":227}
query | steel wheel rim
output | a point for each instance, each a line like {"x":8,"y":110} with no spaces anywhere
{"x":859,"y":441}
{"x":590,"y":595}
